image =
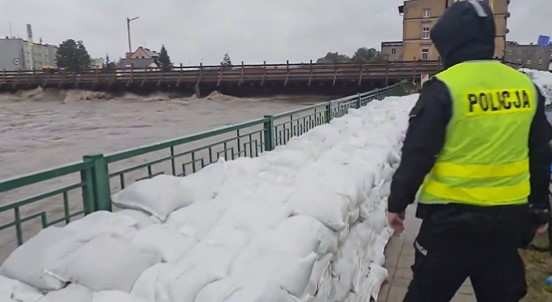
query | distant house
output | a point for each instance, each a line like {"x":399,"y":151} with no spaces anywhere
{"x":142,"y":58}
{"x":529,"y":56}
{"x":392,"y":50}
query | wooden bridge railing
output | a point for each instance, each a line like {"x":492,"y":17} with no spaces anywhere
{"x":261,"y":74}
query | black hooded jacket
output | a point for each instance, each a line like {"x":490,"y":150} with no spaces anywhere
{"x":460,"y":35}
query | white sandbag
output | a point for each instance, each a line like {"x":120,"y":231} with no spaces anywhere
{"x":28,"y":262}
{"x":13,"y":290}
{"x":278,"y":175}
{"x":378,"y":247}
{"x":372,"y":284}
{"x":142,"y":218}
{"x":104,"y":223}
{"x":262,"y":209}
{"x":187,"y":286}
{"x":204,"y":184}
{"x":245,"y":166}
{"x":104,"y":263}
{"x":354,"y":216}
{"x":301,"y":235}
{"x":147,"y":286}
{"x":218,"y":291}
{"x":315,"y":199}
{"x":344,"y":271}
{"x":197,"y":219}
{"x":319,"y":276}
{"x":327,"y":133}
{"x":286,"y":158}
{"x":164,"y":194}
{"x":309,"y":147}
{"x":238,"y":187}
{"x":71,"y":293}
{"x":115,"y":296}
{"x":295,"y":278}
{"x":165,"y":241}
{"x":158,"y":196}
{"x":262,"y":268}
{"x":269,"y":293}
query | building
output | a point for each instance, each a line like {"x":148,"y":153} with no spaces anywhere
{"x":420,"y":15}
{"x":393,"y":51}
{"x":141,"y":58}
{"x":530,"y":56}
{"x":97,"y":63}
{"x":19,"y":54}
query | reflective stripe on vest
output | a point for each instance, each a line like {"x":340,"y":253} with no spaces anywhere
{"x":484,"y":161}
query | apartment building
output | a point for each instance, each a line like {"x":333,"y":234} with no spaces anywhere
{"x":419,"y":16}
{"x":393,"y":50}
{"x":530,"y":56}
{"x":18,"y":54}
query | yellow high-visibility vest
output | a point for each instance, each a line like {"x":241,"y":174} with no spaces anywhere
{"x":485,"y":158}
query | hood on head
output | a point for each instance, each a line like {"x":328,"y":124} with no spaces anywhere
{"x":465,"y":32}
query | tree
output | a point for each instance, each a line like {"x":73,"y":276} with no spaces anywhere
{"x":364,"y":54}
{"x":72,"y":56}
{"x":108,"y":63}
{"x":333,"y":57}
{"x":164,"y":59}
{"x":226,"y":60}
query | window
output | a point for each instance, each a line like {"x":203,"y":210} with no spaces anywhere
{"x":519,"y":51}
{"x":529,"y":52}
{"x":528,"y":61}
{"x":425,"y":33}
{"x":509,"y":51}
{"x":425,"y":54}
{"x":393,"y":51}
{"x":427,"y":13}
{"x":540,"y":61}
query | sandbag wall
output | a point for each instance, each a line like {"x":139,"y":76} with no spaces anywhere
{"x":305,"y":222}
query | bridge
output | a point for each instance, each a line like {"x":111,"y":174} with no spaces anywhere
{"x":319,"y":78}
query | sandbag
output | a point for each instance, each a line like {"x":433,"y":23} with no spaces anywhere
{"x":218,"y":291}
{"x":71,"y":293}
{"x":103,"y":223}
{"x":104,"y":263}
{"x":286,"y":158}
{"x":142,"y":218}
{"x":187,"y":286}
{"x":29,"y":261}
{"x":318,"y":201}
{"x":164,"y":240}
{"x":115,"y":296}
{"x":301,"y":235}
{"x":13,"y":290}
{"x":158,"y":196}
{"x":164,"y":194}
{"x":147,"y":286}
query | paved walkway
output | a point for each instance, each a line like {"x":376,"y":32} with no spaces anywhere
{"x":400,"y":256}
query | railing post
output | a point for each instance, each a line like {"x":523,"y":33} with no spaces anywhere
{"x":100,"y":182}
{"x":269,"y":140}
{"x":359,"y":101}
{"x":329,"y":112}
{"x":87,"y":180}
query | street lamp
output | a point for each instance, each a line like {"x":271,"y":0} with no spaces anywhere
{"x":128,"y":30}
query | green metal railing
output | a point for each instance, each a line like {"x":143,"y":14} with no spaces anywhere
{"x":82,"y":188}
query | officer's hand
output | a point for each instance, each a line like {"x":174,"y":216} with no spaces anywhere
{"x":395,"y":221}
{"x":542,"y":229}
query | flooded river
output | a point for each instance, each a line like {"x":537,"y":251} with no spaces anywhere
{"x":46,"y":131}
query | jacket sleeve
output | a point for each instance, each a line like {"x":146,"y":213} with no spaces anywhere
{"x":540,"y":157}
{"x":424,"y":140}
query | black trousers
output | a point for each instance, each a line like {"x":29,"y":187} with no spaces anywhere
{"x":454,"y":245}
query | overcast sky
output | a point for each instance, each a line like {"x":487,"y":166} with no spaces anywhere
{"x":249,"y":30}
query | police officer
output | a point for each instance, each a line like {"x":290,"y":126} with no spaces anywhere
{"x":477,"y":151}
